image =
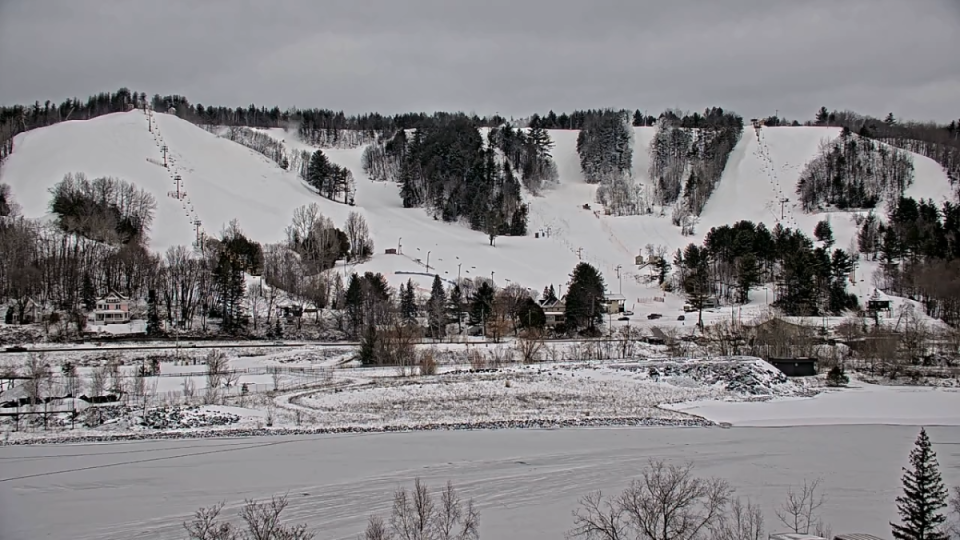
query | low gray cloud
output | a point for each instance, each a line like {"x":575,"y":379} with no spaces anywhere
{"x":513,"y":57}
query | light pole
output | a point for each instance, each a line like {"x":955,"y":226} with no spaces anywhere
{"x":619,"y":278}
{"x":428,"y":261}
{"x":491,"y":276}
{"x":399,"y":245}
{"x":458,"y":273}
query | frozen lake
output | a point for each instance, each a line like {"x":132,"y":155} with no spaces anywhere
{"x":525,"y":482}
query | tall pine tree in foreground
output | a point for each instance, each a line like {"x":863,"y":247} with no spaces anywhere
{"x":924,"y":495}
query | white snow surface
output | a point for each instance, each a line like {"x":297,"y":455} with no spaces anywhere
{"x":525,"y":482}
{"x":860,"y":404}
{"x":224,"y":181}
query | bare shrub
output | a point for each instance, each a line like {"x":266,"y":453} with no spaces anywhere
{"x":529,"y":345}
{"x":261,"y":521}
{"x":418,"y":515}
{"x":800,"y":509}
{"x":427,"y":362}
{"x":477,"y":359}
{"x":667,"y":502}
{"x":955,"y":510}
{"x":98,"y":380}
{"x":501,"y":356}
{"x":189,"y":388}
{"x":41,"y":377}
{"x":218,"y":366}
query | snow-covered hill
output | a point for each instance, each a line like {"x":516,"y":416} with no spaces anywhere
{"x":224,"y":180}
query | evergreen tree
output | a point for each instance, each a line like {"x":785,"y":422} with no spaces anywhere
{"x":824,"y":233}
{"x":456,"y":306}
{"x":696,"y":285}
{"x":228,"y":281}
{"x":530,"y":314}
{"x":153,"y":314}
{"x":549,"y":295}
{"x":924,"y":495}
{"x":353,"y":303}
{"x":367,"y":354}
{"x":438,"y":308}
{"x":748,"y":275}
{"x":318,"y":172}
{"x":585,"y":298}
{"x":822,"y":116}
{"x":88,"y":294}
{"x":481,"y":303}
{"x":408,"y":302}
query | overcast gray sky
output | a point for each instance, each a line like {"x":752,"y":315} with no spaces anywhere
{"x":509,"y":56}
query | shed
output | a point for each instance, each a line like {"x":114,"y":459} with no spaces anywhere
{"x":390,"y":251}
{"x":795,"y":367}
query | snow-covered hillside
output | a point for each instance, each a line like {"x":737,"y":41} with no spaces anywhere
{"x":224,"y":180}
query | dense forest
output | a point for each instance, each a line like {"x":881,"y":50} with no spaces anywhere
{"x":919,"y":248}
{"x":452,"y":172}
{"x":810,"y":275}
{"x":688,"y":155}
{"x":854,"y":172}
{"x":939,"y":142}
{"x":605,"y":147}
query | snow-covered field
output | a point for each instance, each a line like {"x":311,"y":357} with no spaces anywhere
{"x":317,"y":397}
{"x":224,"y":180}
{"x":525,"y":482}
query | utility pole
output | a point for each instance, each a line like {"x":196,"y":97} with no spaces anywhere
{"x":428,"y":261}
{"x":164,"y":148}
{"x":491,"y":276}
{"x":619,"y":279}
{"x":783,"y":202}
{"x":398,"y":245}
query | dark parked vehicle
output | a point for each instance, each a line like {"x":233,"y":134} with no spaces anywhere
{"x":653,"y":316}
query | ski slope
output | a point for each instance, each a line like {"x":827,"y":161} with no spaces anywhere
{"x":223,"y":181}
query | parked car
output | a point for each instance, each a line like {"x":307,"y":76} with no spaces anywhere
{"x":681,"y":318}
{"x":623,"y":319}
{"x":16,"y":348}
{"x":653,"y":316}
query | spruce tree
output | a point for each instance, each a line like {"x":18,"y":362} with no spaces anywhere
{"x":924,"y":495}
{"x":585,"y":298}
{"x":824,"y":233}
{"x":481,"y":303}
{"x":318,"y":171}
{"x":456,"y":306}
{"x":438,"y":308}
{"x":408,"y":302}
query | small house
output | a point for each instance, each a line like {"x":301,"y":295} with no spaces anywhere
{"x":172,"y":110}
{"x":554,"y":312}
{"x":615,"y":303}
{"x":112,"y":308}
{"x":795,"y":367}
{"x":30,"y":313}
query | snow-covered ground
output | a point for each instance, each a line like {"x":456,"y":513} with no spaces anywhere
{"x":312,"y":395}
{"x":224,"y":180}
{"x":859,"y":404}
{"x":525,"y":482}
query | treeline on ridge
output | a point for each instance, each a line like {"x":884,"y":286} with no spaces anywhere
{"x":854,"y":172}
{"x":688,"y":155}
{"x":450,"y":170}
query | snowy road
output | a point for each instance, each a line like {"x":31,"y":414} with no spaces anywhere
{"x":526,"y":482}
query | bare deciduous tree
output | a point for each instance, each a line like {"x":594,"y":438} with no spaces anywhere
{"x":41,"y":377}
{"x":358,"y":234}
{"x":743,"y":521}
{"x":667,"y":502}
{"x":218,"y":366}
{"x":417,"y":515}
{"x":800,"y":510}
{"x":261,"y":522}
